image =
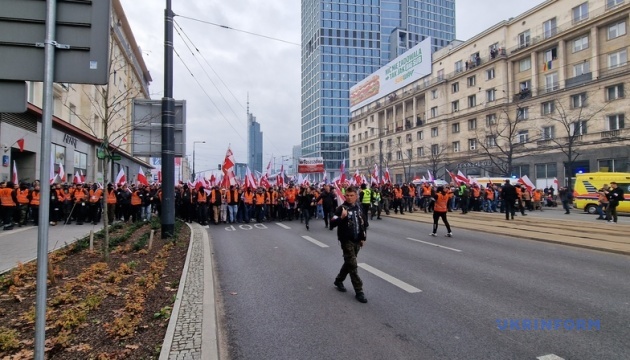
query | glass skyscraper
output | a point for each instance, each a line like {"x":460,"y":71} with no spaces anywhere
{"x":343,"y":41}
{"x":254,"y":144}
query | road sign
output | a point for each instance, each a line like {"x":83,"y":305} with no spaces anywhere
{"x":116,"y":157}
{"x":82,"y":41}
{"x":147,"y":128}
{"x":13,"y":96}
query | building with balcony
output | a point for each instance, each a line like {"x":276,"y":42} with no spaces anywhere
{"x":541,"y":94}
{"x":342,"y":43}
{"x":83,"y":116}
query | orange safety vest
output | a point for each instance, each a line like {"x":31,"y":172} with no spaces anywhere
{"x":111,"y":197}
{"x":232,"y":196}
{"x":290,"y":194}
{"x":426,"y":191}
{"x":412,"y":191}
{"x":518,"y":192}
{"x":202,"y":197}
{"x":490,"y":194}
{"x":35,"y":198}
{"x":95,"y":195}
{"x":5,"y":197}
{"x":61,"y":196}
{"x":135,"y":199}
{"x":272,"y":198}
{"x":476,"y":192}
{"x":440,"y":203}
{"x":537,"y":195}
{"x":249,"y":197}
{"x":22,"y":196}
{"x":79,"y":196}
{"x":398,"y":193}
{"x":260,"y":198}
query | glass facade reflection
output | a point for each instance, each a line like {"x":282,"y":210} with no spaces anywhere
{"x":343,"y":41}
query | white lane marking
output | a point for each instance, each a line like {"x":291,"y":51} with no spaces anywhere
{"x":283,"y":226}
{"x":440,"y":246}
{"x":549,"y":357}
{"x":320,"y":244}
{"x":401,"y":284}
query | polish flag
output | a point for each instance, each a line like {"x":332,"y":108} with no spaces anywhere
{"x":249,"y":179}
{"x":557,"y":183}
{"x":375,"y":175}
{"x":357,"y":178}
{"x":363,"y":179}
{"x":386,"y":178}
{"x":62,"y":173}
{"x":120,"y":178}
{"x":453,"y":177}
{"x":431,"y":178}
{"x":527,"y":182}
{"x":264,"y":181}
{"x":325,"y":179}
{"x":213,"y":180}
{"x":141,"y":179}
{"x":340,"y":198}
{"x":280,"y":177}
{"x":228,"y":167}
{"x":77,"y":178}
{"x":83,"y":177}
{"x":462,"y":178}
{"x":14,"y":178}
{"x":342,"y":177}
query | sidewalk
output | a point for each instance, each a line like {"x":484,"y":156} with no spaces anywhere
{"x":192,"y":330}
{"x":551,"y":225}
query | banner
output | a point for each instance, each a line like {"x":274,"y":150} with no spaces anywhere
{"x":311,"y":165}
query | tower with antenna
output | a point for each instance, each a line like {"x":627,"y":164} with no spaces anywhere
{"x":254,"y":142}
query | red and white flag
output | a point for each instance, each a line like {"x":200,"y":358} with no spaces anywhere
{"x":77,"y":178}
{"x":141,"y":179}
{"x":431,"y":178}
{"x":228,"y":167}
{"x":264,"y":181}
{"x":375,"y":176}
{"x":357,"y":178}
{"x":83,"y":176}
{"x":342,"y":177}
{"x":120,"y":178}
{"x":462,"y":178}
{"x":62,"y":173}
{"x":386,"y":178}
{"x":527,"y":182}
{"x":14,"y":178}
{"x":453,"y":177}
{"x":213,"y":180}
{"x":249,"y":179}
{"x":280,"y":177}
{"x":52,"y":175}
{"x":555,"y":181}
{"x":340,"y":198}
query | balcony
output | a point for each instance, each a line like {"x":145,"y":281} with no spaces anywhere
{"x":524,"y":94}
{"x":579,"y":80}
{"x":544,"y":142}
{"x":610,"y":134}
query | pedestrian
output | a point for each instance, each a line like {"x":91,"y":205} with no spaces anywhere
{"x":329,"y":200}
{"x":111,"y":203}
{"x":34,"y":200}
{"x":509,"y":196}
{"x":365,"y":197}
{"x":440,"y":208}
{"x":351,"y":233}
{"x":566,"y":196}
{"x":614,"y":195}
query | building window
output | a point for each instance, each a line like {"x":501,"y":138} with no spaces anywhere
{"x":455,"y":106}
{"x":548,"y":107}
{"x":619,"y":58}
{"x":472,"y":81}
{"x":408,"y":138}
{"x":419,"y":135}
{"x":520,"y":170}
{"x":455,"y":146}
{"x":578,"y":100}
{"x":459,"y":66}
{"x":525,"y":64}
{"x":455,"y":87}
{"x":472,"y":144}
{"x":354,"y":163}
{"x":435,"y":149}
{"x":398,"y":140}
{"x":617,"y":30}
{"x":359,"y":137}
{"x":472,"y":101}
{"x":522,"y":113}
{"x":354,"y":138}
{"x":611,"y":165}
{"x":525,"y":86}
{"x":491,"y":120}
{"x":613,"y":3}
{"x":614,"y":92}
{"x":491,"y":95}
{"x":409,"y":154}
{"x":80,"y":162}
{"x":389,"y":143}
{"x":434,"y":111}
{"x":546,"y":171}
{"x":490,"y":74}
{"x":551,"y":54}
{"x":372,"y":147}
{"x":581,"y":68}
{"x":420,"y":152}
{"x":360,"y":162}
{"x":491,"y":141}
{"x":455,"y":128}
{"x":440,"y":75}
{"x":615,"y":122}
{"x":549,"y":28}
{"x":524,"y":39}
{"x":472,"y":124}
{"x":434,"y":94}
{"x":580,"y":12}
{"x":578,"y":128}
{"x":360,"y":150}
{"x":551,"y":82}
{"x":399,"y":155}
{"x":548,"y":132}
{"x":580,"y":44}
{"x":434,"y":132}
{"x":522,"y":137}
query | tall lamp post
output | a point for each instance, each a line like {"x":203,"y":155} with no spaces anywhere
{"x":194,"y":162}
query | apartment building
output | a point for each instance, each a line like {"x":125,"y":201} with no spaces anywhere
{"x":541,"y":94}
{"x":80,"y":115}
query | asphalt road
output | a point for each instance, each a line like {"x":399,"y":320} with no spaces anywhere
{"x":425,"y":301}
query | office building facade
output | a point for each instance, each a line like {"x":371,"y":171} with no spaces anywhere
{"x":541,"y":94}
{"x":254,"y":144}
{"x":343,"y":41}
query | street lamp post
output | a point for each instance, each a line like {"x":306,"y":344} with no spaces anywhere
{"x":194,"y":162}
{"x":380,"y":152}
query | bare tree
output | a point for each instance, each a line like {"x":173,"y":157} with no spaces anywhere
{"x":405,"y":154}
{"x":572,"y":119}
{"x":436,"y":160}
{"x":504,"y":139}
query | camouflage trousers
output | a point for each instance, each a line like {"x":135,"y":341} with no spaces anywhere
{"x":350,"y":252}
{"x":23,"y":213}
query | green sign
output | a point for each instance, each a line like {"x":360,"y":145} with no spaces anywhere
{"x":100,"y":154}
{"x":116,"y":157}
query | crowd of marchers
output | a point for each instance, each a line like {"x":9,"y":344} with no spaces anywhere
{"x":79,"y":203}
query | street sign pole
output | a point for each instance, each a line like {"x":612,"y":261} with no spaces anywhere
{"x":44,"y":172}
{"x":168,"y":130}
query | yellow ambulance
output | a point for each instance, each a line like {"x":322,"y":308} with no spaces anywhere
{"x":586,"y":186}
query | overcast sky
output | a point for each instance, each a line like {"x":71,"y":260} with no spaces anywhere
{"x":230,"y":64}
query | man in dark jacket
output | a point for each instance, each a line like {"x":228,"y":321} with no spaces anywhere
{"x":614,"y":195}
{"x":350,"y":222}
{"x":329,"y":200}
{"x":508,"y":195}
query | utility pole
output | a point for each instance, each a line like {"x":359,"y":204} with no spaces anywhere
{"x":168,"y":130}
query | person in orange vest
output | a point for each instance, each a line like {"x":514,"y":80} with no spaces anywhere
{"x":488,"y":198}
{"x":271,"y":201}
{"x":232,"y":203}
{"x":427,"y":193}
{"x":259,"y":205}
{"x":291,"y":196}
{"x":33,"y":200}
{"x":202,"y":206}
{"x":398,"y":199}
{"x":111,"y":203}
{"x":537,"y":197}
{"x":136,"y":203}
{"x":22,"y":205}
{"x":248,"y":199}
{"x":80,"y":204}
{"x":215,"y":200}
{"x":440,"y":208}
{"x":95,"y":196}
{"x":8,"y":199}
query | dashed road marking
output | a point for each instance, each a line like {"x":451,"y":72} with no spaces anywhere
{"x":549,"y":357}
{"x":440,"y":246}
{"x":390,"y":279}
{"x":320,"y":244}
{"x":283,"y":226}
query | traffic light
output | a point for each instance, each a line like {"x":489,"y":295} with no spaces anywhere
{"x":219,"y":166}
